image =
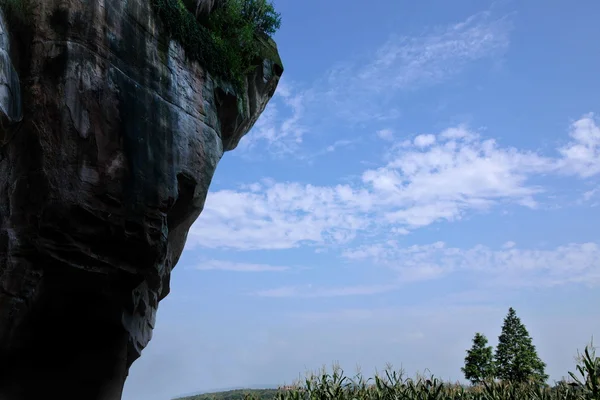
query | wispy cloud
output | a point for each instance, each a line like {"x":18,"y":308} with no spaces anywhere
{"x":383,"y":314}
{"x":327,"y":150}
{"x":338,"y":144}
{"x":308,"y":291}
{"x":404,"y":62}
{"x":591,"y":197}
{"x":279,"y":129}
{"x":386,"y":134}
{"x":280,"y":215}
{"x":509,"y":245}
{"x":429,"y":179}
{"x":590,"y":194}
{"x":365,"y":88}
{"x":509,"y":266}
{"x":218,"y":265}
{"x":581,"y":155}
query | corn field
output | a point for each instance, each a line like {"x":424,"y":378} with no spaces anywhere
{"x":584,"y":384}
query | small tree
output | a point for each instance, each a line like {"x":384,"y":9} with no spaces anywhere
{"x":479,"y":362}
{"x":262,"y":15}
{"x":516,"y":358}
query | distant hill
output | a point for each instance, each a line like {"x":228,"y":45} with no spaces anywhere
{"x":233,"y":394}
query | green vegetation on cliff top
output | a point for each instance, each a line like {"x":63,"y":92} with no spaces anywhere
{"x":230,"y":42}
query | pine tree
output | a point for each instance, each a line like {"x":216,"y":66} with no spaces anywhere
{"x":479,"y":362}
{"x":516,"y":359}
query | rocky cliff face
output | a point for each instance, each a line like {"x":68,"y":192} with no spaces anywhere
{"x":107,"y":149}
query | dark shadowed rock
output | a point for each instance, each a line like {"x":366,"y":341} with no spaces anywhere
{"x":201,"y":8}
{"x":107,"y":150}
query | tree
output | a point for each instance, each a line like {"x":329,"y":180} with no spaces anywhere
{"x":479,"y":362}
{"x":516,"y":359}
{"x":263,"y":16}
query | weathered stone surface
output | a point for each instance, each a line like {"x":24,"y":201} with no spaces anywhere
{"x":201,"y":8}
{"x":10,"y":90}
{"x":107,"y":150}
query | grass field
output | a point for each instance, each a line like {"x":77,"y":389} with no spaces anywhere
{"x":583,"y":384}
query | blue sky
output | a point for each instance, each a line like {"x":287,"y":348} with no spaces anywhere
{"x":423,"y":166}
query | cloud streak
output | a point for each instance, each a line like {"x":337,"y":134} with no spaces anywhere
{"x":308,"y":291}
{"x":405,"y":62}
{"x":218,"y":265}
{"x":427,"y":180}
{"x":577,"y":263}
{"x":581,"y":156}
{"x":506,"y":268}
{"x":365,"y":89}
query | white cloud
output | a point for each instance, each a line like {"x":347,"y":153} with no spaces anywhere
{"x":308,"y":291}
{"x":386,"y":134}
{"x":429,"y":182}
{"x":337,"y":144}
{"x":400,"y":231}
{"x":573,"y":263}
{"x":283,"y":88}
{"x":508,"y":267}
{"x":387,"y":314}
{"x":283,"y":215}
{"x":424,"y":140}
{"x":364,"y":89}
{"x":279,"y":128}
{"x":581,"y":155}
{"x":403,"y":62}
{"x":430,"y":179}
{"x":218,"y":265}
{"x":588,"y":195}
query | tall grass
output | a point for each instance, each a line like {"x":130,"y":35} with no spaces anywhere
{"x":393,"y":385}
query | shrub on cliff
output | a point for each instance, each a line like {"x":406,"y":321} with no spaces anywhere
{"x":228,"y":42}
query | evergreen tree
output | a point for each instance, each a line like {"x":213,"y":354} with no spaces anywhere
{"x":516,"y":359}
{"x":479,"y":362}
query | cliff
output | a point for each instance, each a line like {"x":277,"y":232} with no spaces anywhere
{"x":109,"y":138}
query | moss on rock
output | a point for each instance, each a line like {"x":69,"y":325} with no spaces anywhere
{"x":229,"y":43}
